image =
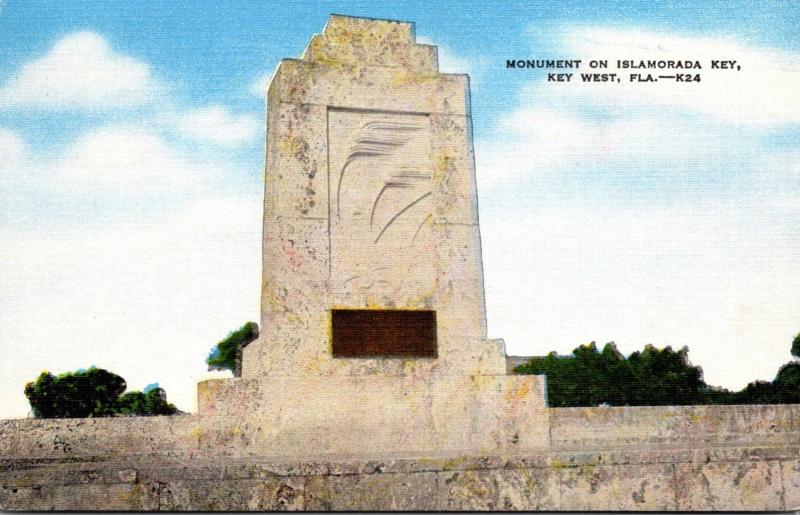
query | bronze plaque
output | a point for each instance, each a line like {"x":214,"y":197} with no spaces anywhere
{"x":369,"y":333}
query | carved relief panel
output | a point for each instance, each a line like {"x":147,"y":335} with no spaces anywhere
{"x":380,"y":205}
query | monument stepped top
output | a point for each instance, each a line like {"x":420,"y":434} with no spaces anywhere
{"x":350,"y":40}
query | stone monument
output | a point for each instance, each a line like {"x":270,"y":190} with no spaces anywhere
{"x":372,"y":385}
{"x":373,"y":324}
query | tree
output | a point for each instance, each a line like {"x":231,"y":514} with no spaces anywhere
{"x":651,"y":377}
{"x":226,"y":355}
{"x":151,"y":401}
{"x":787,"y":383}
{"x":589,"y":378}
{"x":85,"y":393}
{"x":665,"y":377}
{"x":94,"y":392}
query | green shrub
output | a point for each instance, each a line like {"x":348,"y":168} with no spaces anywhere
{"x":588,"y":378}
{"x":94,"y":392}
{"x":149,"y":402}
{"x":652,"y":377}
{"x":85,"y":393}
{"x":225,"y":355}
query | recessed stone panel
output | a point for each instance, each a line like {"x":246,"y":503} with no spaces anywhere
{"x":380,"y":178}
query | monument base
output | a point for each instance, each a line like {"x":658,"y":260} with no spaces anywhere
{"x":368,"y":414}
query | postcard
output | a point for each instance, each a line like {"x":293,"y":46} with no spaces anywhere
{"x":417,"y":256}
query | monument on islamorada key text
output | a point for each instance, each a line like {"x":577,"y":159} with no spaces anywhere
{"x":373,"y":326}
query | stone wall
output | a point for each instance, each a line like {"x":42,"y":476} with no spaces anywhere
{"x":649,"y":458}
{"x":78,"y":439}
{"x":597,"y":428}
{"x":725,"y":478}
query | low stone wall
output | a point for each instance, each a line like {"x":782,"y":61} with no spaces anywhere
{"x":604,"y":427}
{"x":651,"y":458}
{"x":753,"y":478}
{"x":79,"y":439}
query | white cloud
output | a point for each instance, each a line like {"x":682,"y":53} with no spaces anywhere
{"x":259,"y":86}
{"x":765,"y":91}
{"x":218,"y":125}
{"x":81,"y":71}
{"x":723,"y":282}
{"x":113,"y":173}
{"x":144,"y":300}
{"x":82,"y":283}
{"x":131,"y":160}
{"x":123,"y":158}
{"x":126,"y":252}
{"x":12,"y":148}
{"x":538,"y":140}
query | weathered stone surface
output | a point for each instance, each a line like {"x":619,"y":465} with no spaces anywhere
{"x":502,"y":489}
{"x":80,"y":497}
{"x":415,"y":492}
{"x":242,"y":495}
{"x":538,"y":481}
{"x":631,"y":487}
{"x":108,"y":437}
{"x":60,"y":474}
{"x":370,"y":203}
{"x":790,"y":471}
{"x":373,"y":414}
{"x":604,"y":427}
{"x":348,"y":86}
{"x":296,"y":184}
{"x":372,"y":42}
{"x":455,"y":188}
{"x":190,"y":470}
{"x":730,"y":486}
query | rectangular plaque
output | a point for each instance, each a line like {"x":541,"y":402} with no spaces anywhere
{"x":360,"y":333}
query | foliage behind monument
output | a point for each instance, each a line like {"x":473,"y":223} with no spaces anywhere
{"x":651,"y":377}
{"x":226,"y":355}
{"x":94,"y":392}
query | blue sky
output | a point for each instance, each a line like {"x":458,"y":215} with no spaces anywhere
{"x":131,"y":139}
